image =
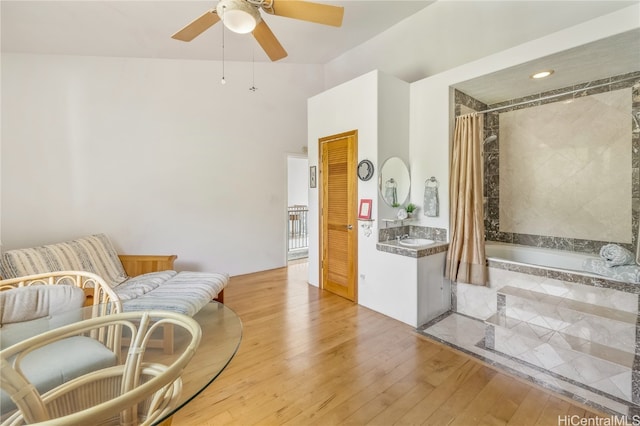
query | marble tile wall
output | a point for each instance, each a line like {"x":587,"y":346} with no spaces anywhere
{"x":568,"y":180}
{"x":557,"y":235}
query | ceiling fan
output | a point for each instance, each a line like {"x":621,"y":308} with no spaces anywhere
{"x":243,"y":16}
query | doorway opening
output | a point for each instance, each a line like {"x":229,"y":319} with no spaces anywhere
{"x":297,"y":208}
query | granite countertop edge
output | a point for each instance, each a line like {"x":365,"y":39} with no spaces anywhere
{"x":394,"y":248}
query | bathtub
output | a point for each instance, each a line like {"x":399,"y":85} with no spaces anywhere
{"x":536,"y":256}
{"x":557,"y":264}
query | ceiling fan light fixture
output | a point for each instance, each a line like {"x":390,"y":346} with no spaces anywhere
{"x":238,"y":16}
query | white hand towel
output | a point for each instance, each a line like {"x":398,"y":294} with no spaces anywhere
{"x":431,"y":203}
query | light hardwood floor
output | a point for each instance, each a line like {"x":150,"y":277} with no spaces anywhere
{"x":310,"y":357}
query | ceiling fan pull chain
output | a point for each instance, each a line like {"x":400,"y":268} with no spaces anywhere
{"x":223,"y":81}
{"x":253,"y":87}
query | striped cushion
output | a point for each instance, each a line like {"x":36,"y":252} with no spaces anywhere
{"x":140,"y":285}
{"x":94,"y":254}
{"x":185,"y":293}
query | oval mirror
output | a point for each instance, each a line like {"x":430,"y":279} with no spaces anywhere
{"x":394,"y":182}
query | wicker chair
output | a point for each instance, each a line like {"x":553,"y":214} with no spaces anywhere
{"x":135,"y":392}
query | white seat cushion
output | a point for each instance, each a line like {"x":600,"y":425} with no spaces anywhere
{"x":59,"y":362}
{"x":37,"y":301}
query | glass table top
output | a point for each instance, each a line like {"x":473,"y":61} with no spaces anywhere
{"x":221,"y":336}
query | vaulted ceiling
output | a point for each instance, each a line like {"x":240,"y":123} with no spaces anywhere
{"x":143,"y":29}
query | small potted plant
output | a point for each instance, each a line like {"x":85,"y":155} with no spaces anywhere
{"x":411,"y":208}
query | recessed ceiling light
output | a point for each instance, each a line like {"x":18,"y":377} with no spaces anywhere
{"x":541,"y":74}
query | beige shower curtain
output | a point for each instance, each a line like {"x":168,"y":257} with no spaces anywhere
{"x":466,"y":255}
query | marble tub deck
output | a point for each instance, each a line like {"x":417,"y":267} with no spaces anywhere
{"x":467,"y":335}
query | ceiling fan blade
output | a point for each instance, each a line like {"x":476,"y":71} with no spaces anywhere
{"x":309,"y":11}
{"x":197,"y":26}
{"x":268,"y":41}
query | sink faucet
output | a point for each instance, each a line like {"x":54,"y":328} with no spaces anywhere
{"x":405,"y":236}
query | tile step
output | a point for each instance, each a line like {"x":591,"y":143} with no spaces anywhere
{"x":570,"y":304}
{"x":600,"y":375}
{"x":617,"y":352}
{"x":545,"y":318}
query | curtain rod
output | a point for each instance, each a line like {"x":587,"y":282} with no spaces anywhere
{"x":556,"y":95}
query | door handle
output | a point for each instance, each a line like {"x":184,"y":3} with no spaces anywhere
{"x":349,"y":227}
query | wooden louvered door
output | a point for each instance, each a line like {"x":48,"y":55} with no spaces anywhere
{"x":338,"y":214}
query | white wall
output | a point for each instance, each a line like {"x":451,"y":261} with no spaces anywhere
{"x":387,"y":282}
{"x":156,"y":153}
{"x":377,"y":106}
{"x":393,"y":133}
{"x":297,"y":181}
{"x":351,"y":106}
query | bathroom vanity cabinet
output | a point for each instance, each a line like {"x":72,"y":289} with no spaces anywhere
{"x":434,"y":290}
{"x":420,"y":290}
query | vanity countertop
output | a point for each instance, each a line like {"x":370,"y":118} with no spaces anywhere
{"x":392,"y":246}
